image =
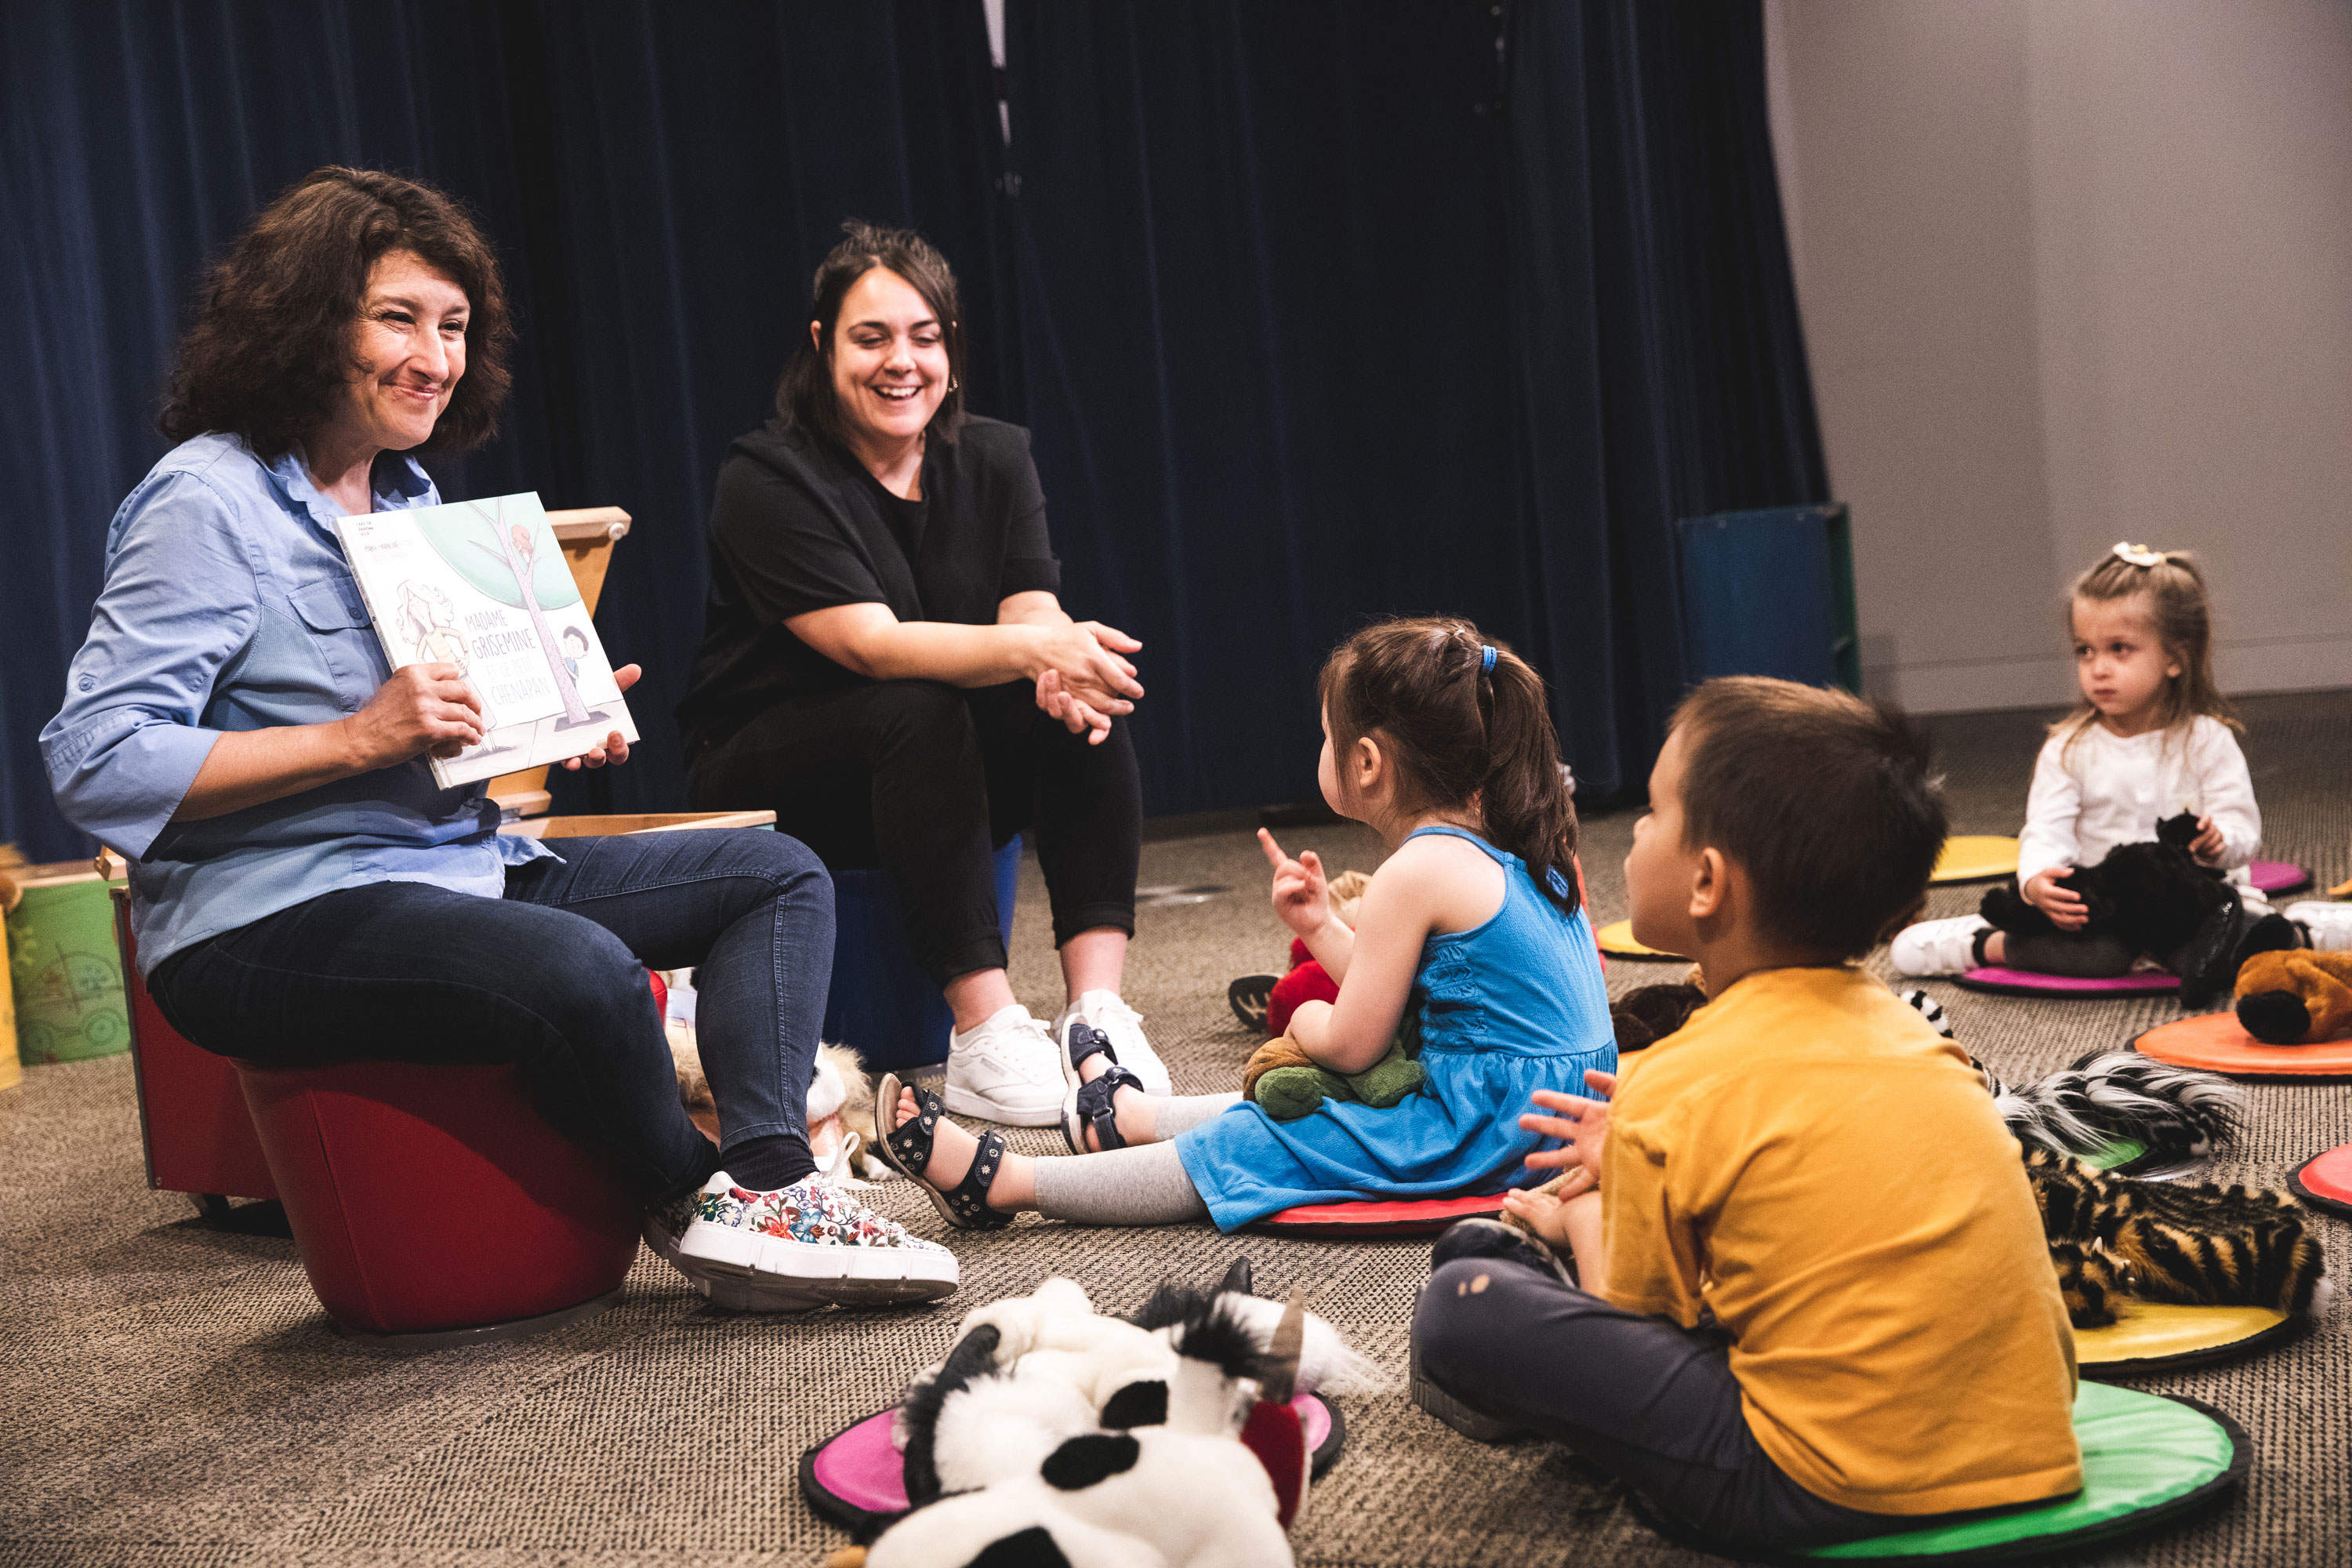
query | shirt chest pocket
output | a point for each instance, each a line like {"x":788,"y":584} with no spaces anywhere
{"x":343,"y":637}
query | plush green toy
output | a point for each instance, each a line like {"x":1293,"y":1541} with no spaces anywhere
{"x":1283,"y":1080}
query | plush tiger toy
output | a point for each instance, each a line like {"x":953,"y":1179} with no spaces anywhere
{"x":2197,"y":1246}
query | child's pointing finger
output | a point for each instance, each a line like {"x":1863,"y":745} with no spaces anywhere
{"x":1274,"y":855}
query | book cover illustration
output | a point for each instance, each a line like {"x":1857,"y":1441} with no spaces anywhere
{"x":482,"y":585}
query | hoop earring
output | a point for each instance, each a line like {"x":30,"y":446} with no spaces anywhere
{"x":953,"y":383}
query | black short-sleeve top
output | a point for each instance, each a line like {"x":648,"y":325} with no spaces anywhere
{"x":798,"y":525}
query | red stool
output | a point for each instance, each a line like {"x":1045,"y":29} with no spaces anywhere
{"x":432,"y":1206}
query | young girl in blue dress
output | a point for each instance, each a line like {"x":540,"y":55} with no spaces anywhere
{"x":1439,"y":740}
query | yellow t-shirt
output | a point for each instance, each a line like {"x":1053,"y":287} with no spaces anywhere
{"x":1809,"y":1161}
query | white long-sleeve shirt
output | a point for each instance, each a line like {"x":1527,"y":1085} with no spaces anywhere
{"x":2101,"y":790}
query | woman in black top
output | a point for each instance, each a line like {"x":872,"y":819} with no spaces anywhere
{"x":885,"y":665}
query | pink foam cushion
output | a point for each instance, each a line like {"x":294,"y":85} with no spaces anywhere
{"x":2277,"y":876}
{"x":2026,"y":982}
{"x":1393,"y":1216}
{"x":860,"y":1468}
{"x":2326,"y":1180}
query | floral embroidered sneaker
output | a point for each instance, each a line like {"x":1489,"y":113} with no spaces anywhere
{"x":808,"y":1244}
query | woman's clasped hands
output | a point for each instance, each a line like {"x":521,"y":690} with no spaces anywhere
{"x":1088,"y":679}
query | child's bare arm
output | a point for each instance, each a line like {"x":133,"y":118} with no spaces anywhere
{"x":1429,"y":885}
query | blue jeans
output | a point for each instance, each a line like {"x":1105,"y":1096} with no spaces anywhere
{"x":552,"y":977}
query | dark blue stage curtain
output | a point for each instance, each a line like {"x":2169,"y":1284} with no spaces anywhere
{"x":1319,"y":311}
{"x":1344,"y":310}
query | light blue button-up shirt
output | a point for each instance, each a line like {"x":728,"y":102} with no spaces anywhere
{"x":228,"y":605}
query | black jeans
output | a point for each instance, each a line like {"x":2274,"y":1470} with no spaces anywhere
{"x":923,"y":781}
{"x":552,"y":978}
{"x":1654,"y":1403}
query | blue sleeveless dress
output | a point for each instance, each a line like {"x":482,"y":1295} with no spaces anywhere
{"x":1512,"y":1006}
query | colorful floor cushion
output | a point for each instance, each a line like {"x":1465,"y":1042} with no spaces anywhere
{"x":857,"y":1479}
{"x":2153,"y":1336}
{"x":2149,"y":1460}
{"x":2273,"y":877}
{"x":1974,"y":857}
{"x":1388,"y":1217}
{"x":2122,"y":1156}
{"x":2325,"y":1180}
{"x":2004,"y":982}
{"x":2217,"y":1042}
{"x":1617,"y":941}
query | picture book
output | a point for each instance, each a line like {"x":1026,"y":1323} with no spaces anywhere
{"x":482,"y":585}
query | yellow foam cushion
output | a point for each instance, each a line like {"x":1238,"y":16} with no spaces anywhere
{"x":1617,"y":942}
{"x":2156,"y":1331}
{"x":1974,"y":857}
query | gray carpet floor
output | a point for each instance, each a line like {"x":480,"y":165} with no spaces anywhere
{"x":173,"y":1396}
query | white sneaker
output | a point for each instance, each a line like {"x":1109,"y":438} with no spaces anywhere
{"x":1939,"y":947}
{"x":1008,"y":1071}
{"x":803,"y":1246}
{"x":2329,"y":924}
{"x":1103,"y":1010}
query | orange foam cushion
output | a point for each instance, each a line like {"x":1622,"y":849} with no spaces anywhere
{"x":2217,"y":1042}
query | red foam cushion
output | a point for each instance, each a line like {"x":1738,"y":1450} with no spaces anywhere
{"x":2277,"y":876}
{"x":1393,"y":1216}
{"x":2026,"y":982}
{"x":2326,"y":1180}
{"x":431,"y":1198}
{"x":2217,"y":1042}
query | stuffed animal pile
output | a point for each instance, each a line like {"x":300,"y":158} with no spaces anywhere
{"x":1053,"y":1435}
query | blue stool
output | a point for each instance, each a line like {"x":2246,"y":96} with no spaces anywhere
{"x":882,"y":1005}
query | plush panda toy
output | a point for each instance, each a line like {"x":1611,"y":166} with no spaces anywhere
{"x":1053,"y":1435}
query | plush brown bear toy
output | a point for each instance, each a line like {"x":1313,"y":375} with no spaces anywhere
{"x":2296,"y":997}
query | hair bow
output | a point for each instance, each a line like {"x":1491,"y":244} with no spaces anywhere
{"x":2138,"y":554}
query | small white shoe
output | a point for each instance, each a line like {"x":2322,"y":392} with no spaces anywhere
{"x":2328,"y":924}
{"x":1123,"y":1025}
{"x":1939,"y":947}
{"x":1008,"y":1071}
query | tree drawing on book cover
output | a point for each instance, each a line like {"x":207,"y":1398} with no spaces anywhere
{"x":517,"y":566}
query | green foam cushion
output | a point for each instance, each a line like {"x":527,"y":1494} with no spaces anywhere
{"x":2143,"y":1456}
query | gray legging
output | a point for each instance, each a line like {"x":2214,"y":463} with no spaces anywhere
{"x":1142,"y":1184}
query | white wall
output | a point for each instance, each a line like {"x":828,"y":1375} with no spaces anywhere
{"x":2073,"y":271}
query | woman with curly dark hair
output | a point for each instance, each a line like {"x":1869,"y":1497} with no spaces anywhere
{"x":303,"y":892}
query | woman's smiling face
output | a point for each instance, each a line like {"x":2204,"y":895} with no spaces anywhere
{"x":411,"y":349}
{"x":889,"y":358}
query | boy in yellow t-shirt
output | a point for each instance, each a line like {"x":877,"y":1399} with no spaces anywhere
{"x":1817,"y":1305}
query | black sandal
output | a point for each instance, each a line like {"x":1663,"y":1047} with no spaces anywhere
{"x":1090,"y":1105}
{"x":908,"y":1150}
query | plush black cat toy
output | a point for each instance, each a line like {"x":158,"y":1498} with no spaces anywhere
{"x":2155,"y":899}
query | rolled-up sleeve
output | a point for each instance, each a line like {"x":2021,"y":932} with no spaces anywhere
{"x":181,"y":600}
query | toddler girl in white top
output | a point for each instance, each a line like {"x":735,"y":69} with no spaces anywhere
{"x":2152,"y":740}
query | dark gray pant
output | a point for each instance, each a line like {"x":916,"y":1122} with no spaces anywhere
{"x":1654,"y":1403}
